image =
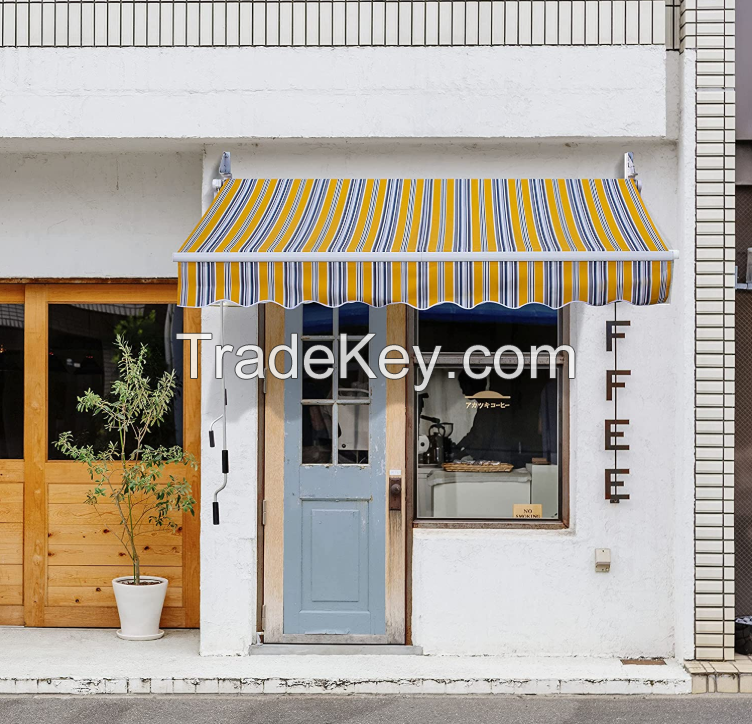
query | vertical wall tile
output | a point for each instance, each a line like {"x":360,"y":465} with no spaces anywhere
{"x":708,"y":25}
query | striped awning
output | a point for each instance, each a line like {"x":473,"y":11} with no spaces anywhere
{"x":423,"y":242}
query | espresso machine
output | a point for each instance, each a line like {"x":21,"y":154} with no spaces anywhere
{"x":436,"y":447}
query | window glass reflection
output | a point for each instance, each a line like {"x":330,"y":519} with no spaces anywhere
{"x":313,"y":388}
{"x":82,"y":356}
{"x":317,"y":434}
{"x":317,"y":320}
{"x":11,"y":381}
{"x":353,"y":319}
{"x":487,"y":445}
{"x":354,"y":382}
{"x":493,"y":419}
{"x":352,"y":440}
{"x":455,"y":329}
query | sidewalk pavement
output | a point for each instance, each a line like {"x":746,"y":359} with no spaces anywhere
{"x":364,"y":709}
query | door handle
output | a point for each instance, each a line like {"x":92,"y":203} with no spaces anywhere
{"x":395,"y":493}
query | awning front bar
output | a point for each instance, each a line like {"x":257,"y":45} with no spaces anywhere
{"x":397,"y":257}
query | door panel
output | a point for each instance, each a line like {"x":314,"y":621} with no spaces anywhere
{"x":339,"y":540}
{"x":335,"y":494}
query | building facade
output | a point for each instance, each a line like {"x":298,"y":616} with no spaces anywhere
{"x":114,"y":121}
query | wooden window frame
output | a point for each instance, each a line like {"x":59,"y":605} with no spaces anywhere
{"x":34,"y":469}
{"x":490,"y":524}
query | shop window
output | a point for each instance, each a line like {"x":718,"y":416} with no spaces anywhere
{"x":82,"y":356}
{"x":11,"y":381}
{"x":489,"y":447}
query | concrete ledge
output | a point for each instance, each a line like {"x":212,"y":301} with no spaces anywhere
{"x":251,"y":93}
{"x":240,"y":686}
{"x":87,"y":661}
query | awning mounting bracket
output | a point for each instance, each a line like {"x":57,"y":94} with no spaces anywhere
{"x":630,"y":170}
{"x":225,"y":172}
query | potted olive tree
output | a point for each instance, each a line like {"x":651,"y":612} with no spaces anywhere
{"x":134,"y":477}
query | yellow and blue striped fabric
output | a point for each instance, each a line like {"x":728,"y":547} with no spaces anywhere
{"x":425,"y":215}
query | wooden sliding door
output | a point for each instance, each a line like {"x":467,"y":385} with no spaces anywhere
{"x":58,"y":555}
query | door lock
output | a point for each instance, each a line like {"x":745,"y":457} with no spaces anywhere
{"x":395,"y":491}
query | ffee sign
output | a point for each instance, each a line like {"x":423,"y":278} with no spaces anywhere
{"x":613,"y":434}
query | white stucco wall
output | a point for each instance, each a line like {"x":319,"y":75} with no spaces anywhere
{"x":96,"y":214}
{"x":242,"y":93}
{"x":228,"y":550}
{"x":528,"y":592}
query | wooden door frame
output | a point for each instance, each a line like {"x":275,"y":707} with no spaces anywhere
{"x":36,"y":296}
{"x":271,"y":560}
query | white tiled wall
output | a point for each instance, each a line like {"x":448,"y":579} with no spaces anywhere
{"x":708,"y":27}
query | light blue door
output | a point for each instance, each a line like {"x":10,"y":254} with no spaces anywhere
{"x":335,"y":478}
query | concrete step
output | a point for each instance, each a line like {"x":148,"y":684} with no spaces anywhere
{"x":95,"y":661}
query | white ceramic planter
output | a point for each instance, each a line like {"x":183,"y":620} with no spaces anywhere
{"x":140,"y":608}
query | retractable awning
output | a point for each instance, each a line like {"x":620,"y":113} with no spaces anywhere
{"x":423,"y":242}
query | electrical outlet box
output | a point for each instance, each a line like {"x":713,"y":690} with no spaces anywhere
{"x":602,"y":560}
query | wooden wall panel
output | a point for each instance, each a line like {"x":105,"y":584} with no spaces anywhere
{"x":103,"y":617}
{"x":11,"y":554}
{"x":84,"y":555}
{"x":12,"y":615}
{"x":86,"y":596}
{"x":73,"y":576}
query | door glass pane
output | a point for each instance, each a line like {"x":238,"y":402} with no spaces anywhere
{"x":11,"y":381}
{"x":317,"y":434}
{"x":315,"y":389}
{"x":318,"y":320}
{"x":355,"y":382}
{"x":82,"y":356}
{"x":352,"y":440}
{"x":353,"y":319}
